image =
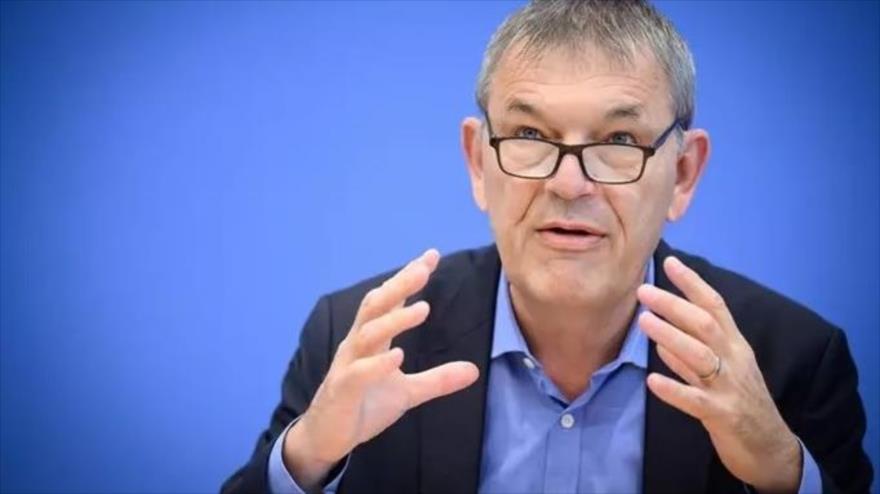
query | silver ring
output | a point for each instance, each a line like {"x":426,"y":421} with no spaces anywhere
{"x":712,"y":375}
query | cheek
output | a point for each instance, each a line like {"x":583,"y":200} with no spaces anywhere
{"x":508,"y":200}
{"x":641,"y":210}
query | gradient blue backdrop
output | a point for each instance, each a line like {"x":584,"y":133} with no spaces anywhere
{"x":181,"y":181}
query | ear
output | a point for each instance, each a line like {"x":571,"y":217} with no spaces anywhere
{"x":472,"y":145}
{"x":689,"y":168}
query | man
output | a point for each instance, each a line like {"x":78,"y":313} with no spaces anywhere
{"x":580,"y":353}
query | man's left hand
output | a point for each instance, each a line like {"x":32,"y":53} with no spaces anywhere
{"x":723,"y":387}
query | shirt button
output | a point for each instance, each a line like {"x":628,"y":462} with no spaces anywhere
{"x":528,"y":363}
{"x":567,"y":421}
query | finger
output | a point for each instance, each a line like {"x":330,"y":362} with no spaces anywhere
{"x":370,"y":369}
{"x":431,"y":258}
{"x":394,"y":291}
{"x":698,"y":291}
{"x":691,"y":352}
{"x":682,"y":314}
{"x":377,"y":334}
{"x":680,"y":368}
{"x":440,"y":381}
{"x":690,"y":400}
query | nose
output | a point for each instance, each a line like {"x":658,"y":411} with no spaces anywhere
{"x":570,"y":180}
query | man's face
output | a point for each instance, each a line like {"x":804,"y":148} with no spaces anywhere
{"x":567,"y":239}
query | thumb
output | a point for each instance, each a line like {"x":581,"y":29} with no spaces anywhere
{"x":440,"y":381}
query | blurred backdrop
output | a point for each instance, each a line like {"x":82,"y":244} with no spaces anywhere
{"x":181,"y":181}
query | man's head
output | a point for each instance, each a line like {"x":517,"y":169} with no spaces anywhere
{"x":577,"y":73}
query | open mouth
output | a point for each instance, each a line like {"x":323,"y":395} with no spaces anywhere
{"x":573,"y":237}
{"x":568,"y":232}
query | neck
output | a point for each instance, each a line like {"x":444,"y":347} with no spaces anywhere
{"x":573,"y":342}
{"x":592,"y":332}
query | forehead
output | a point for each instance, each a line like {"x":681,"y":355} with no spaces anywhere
{"x":579,"y":82}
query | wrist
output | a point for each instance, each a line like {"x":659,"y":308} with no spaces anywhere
{"x":785,"y":468}
{"x":301,"y":458}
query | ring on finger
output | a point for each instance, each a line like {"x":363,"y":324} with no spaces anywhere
{"x":707,"y":378}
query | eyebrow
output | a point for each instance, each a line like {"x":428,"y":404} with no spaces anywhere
{"x":519,"y":106}
{"x":625,"y":112}
{"x":619,"y":112}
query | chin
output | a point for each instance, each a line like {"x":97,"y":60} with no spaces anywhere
{"x":566,"y":285}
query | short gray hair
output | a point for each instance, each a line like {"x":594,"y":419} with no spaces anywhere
{"x":620,"y":28}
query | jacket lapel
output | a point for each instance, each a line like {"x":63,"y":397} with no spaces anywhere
{"x":452,"y":427}
{"x":678,"y":451}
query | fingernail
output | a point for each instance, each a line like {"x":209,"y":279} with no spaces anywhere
{"x":645,"y":292}
{"x":674,"y":264}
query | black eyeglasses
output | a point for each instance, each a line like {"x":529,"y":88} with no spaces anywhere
{"x":601,"y":162}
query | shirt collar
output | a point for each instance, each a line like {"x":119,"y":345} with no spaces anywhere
{"x":508,"y":337}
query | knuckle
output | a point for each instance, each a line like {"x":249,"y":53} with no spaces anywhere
{"x":331,"y":382}
{"x":365,"y":329}
{"x":740,"y":347}
{"x":709,"y":359}
{"x":390,"y":279}
{"x":354,"y":373}
{"x":716,"y":301}
{"x":344,"y":346}
{"x":705,"y":324}
{"x":370,"y":298}
{"x":356,"y":343}
{"x":702,"y":401}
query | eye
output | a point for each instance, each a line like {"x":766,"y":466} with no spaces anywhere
{"x":528,"y":133}
{"x":622,"y":138}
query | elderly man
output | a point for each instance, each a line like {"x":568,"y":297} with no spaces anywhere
{"x":580,"y":353}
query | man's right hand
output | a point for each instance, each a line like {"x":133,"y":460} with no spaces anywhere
{"x":365,"y":391}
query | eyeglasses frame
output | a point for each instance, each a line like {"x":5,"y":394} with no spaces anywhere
{"x":578,"y":149}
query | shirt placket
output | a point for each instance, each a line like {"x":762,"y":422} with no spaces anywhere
{"x":564,"y":452}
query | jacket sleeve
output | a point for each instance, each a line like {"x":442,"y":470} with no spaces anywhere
{"x":304,"y":374}
{"x":833,"y":421}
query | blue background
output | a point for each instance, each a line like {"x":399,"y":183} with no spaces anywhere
{"x":181,"y":181}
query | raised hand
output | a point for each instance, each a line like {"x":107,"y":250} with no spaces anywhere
{"x":365,"y":391}
{"x":724,"y":388}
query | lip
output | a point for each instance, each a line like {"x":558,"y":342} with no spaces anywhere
{"x":590,"y":236}
{"x":574,"y":226}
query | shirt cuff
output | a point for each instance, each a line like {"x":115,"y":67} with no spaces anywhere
{"x":280,"y":480}
{"x":811,"y":479}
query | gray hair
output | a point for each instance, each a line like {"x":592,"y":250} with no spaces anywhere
{"x":620,"y":28}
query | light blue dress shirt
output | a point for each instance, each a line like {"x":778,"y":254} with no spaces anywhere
{"x":535,"y":440}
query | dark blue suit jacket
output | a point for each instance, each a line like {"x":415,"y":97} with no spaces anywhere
{"x":437,"y":447}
